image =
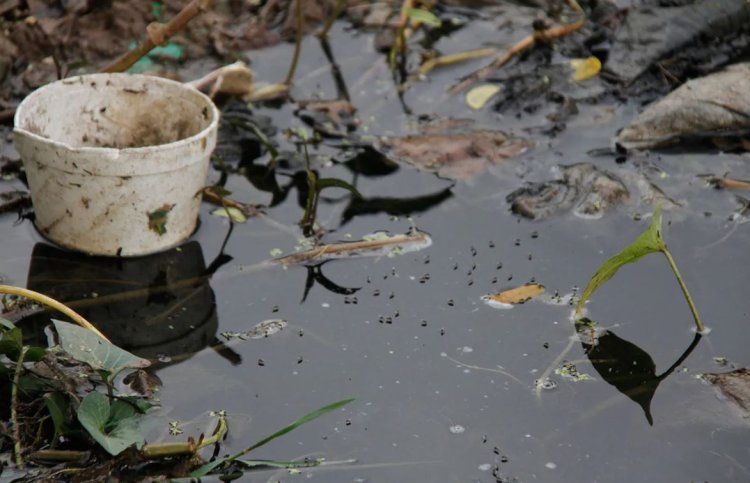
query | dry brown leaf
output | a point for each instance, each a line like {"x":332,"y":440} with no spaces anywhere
{"x":516,"y":296}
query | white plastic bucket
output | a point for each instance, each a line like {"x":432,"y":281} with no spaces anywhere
{"x":116,"y":162}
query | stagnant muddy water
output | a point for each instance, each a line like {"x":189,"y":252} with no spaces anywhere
{"x":444,"y":384}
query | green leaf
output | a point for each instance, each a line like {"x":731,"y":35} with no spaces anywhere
{"x":424,"y":16}
{"x":7,"y":324}
{"x":58,"y":406}
{"x":208,"y":467}
{"x":650,"y":241}
{"x":115,"y":436}
{"x":85,"y":346}
{"x":323,"y":183}
{"x":11,"y":343}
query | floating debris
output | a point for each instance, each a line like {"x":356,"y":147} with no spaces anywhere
{"x":583,"y":189}
{"x":375,"y":245}
{"x":456,"y":156}
{"x":232,"y":213}
{"x":479,"y":96}
{"x":584,"y":69}
{"x":735,"y":386}
{"x":260,"y":331}
{"x":515,"y":296}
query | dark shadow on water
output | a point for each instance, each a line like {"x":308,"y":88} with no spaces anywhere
{"x":314,"y":274}
{"x":624,"y":365}
{"x":394,"y":206}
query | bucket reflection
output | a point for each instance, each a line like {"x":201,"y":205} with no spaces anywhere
{"x":160,"y":306}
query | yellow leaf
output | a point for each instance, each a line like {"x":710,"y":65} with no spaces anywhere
{"x":584,"y":69}
{"x":233,"y":213}
{"x":478,"y":97}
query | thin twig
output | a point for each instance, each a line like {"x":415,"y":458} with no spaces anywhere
{"x":297,"y":43}
{"x":52,"y":303}
{"x":17,"y":446}
{"x":340,"y":5}
{"x":522,"y":46}
{"x":159,"y":34}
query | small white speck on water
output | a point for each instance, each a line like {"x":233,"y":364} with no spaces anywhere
{"x":443,"y":354}
{"x":466,"y":349}
{"x":457,"y":429}
{"x":550,"y":465}
{"x":485,"y":467}
{"x":325,"y":305}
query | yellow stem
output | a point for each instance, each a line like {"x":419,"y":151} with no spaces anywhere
{"x":52,"y":303}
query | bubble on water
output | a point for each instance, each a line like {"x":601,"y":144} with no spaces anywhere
{"x":547,"y":384}
{"x":485,"y":467}
{"x":466,"y":349}
{"x":550,"y":465}
{"x":457,"y":429}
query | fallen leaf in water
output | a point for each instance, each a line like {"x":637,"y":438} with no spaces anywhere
{"x":478,"y":97}
{"x":735,"y":386}
{"x":232,"y":213}
{"x":514,"y":296}
{"x":713,"y":106}
{"x":584,"y":69}
{"x":455,"y":156}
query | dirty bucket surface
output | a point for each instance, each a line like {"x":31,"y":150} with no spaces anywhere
{"x":115,"y":161}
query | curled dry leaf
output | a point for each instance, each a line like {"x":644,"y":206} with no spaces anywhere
{"x":713,"y":106}
{"x":514,"y":296}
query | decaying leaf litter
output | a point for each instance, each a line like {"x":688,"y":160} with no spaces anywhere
{"x":548,"y":105}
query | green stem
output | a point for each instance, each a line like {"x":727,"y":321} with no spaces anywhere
{"x":297,"y":43}
{"x":698,"y":324}
{"x":17,"y":447}
{"x":160,"y":450}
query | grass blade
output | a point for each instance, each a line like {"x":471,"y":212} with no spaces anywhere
{"x":208,"y":467}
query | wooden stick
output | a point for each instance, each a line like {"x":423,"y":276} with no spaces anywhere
{"x":159,"y":34}
{"x":520,"y":47}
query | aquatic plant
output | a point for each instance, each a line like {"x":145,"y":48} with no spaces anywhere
{"x":650,"y":241}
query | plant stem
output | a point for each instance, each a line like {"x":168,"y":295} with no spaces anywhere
{"x":159,"y":450}
{"x":297,"y":43}
{"x":52,"y":303}
{"x":340,"y":4}
{"x":698,"y":324}
{"x":17,"y":447}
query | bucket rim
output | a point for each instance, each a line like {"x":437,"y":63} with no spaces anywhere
{"x":115,"y":152}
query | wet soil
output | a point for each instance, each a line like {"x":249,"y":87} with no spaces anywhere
{"x":445,"y":384}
